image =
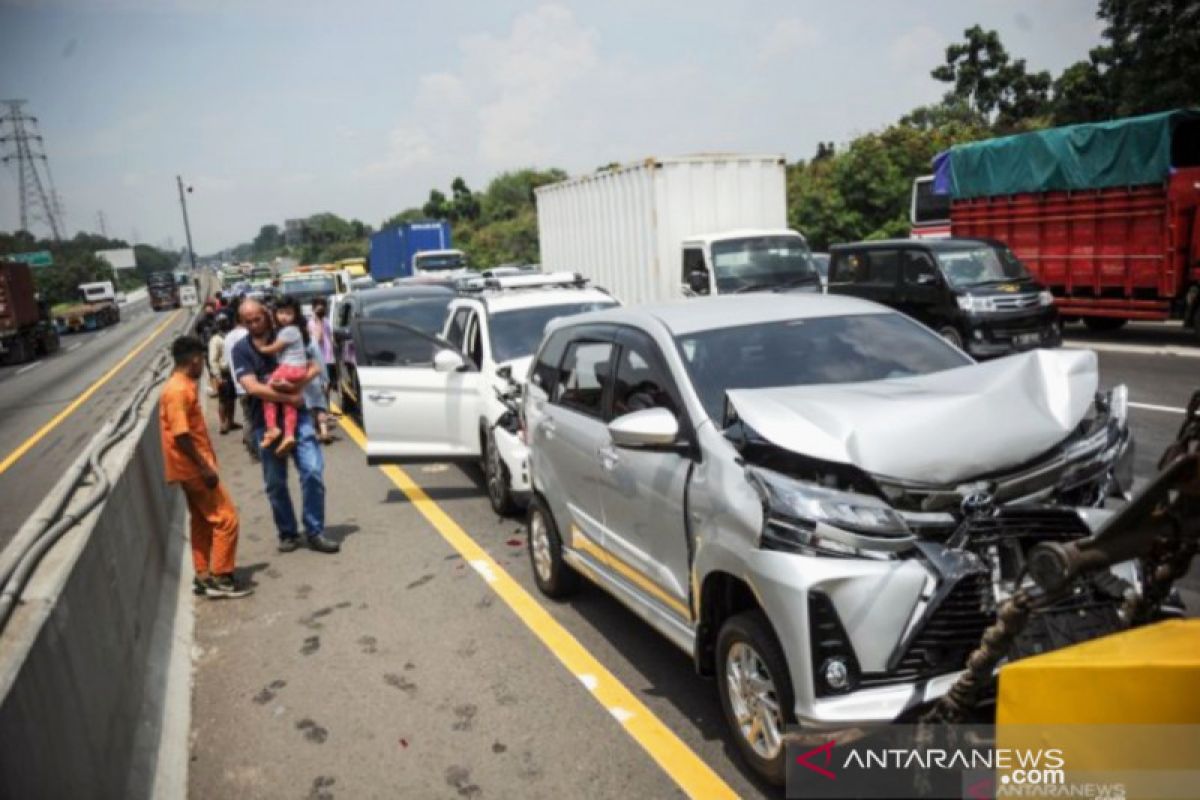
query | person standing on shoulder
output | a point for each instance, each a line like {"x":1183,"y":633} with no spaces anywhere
{"x":236,"y":335}
{"x":218,"y":366}
{"x":252,"y":369}
{"x":189,"y":460}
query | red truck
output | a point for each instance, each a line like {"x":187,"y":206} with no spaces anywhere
{"x":1106,"y":215}
{"x":26,"y":330}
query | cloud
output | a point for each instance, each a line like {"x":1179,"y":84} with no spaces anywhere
{"x":918,"y":47}
{"x":788,"y":37}
{"x":407,"y":147}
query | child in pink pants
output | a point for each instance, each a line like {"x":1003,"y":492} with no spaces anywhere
{"x":290,"y":350}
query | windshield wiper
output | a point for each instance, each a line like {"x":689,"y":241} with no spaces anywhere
{"x":803,"y":280}
{"x":759,"y":286}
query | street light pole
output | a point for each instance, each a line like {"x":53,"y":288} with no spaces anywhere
{"x":187,"y":229}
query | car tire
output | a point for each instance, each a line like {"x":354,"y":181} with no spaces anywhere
{"x":747,"y":644}
{"x":351,"y":406}
{"x":553,"y":576}
{"x":951,"y":335}
{"x":1104,"y":324}
{"x":496,"y":477}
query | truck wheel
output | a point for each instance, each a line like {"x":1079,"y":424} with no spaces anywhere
{"x":553,"y":576}
{"x":951,"y":335}
{"x":756,"y":692}
{"x":495,"y":473}
{"x":18,"y":353}
{"x":50,"y":343}
{"x":1104,"y":324}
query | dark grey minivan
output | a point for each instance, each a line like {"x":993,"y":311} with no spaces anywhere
{"x":974,"y":292}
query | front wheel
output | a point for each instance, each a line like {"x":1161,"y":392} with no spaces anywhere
{"x":756,"y":692}
{"x":951,"y":335}
{"x":553,"y":576}
{"x":499,"y":488}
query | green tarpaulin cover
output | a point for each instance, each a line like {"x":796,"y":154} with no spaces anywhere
{"x":1125,"y":152}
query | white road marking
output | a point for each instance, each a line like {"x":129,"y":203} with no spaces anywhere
{"x":1152,"y":407}
{"x":1145,"y":349}
{"x":485,"y":570}
{"x":75,"y":346}
{"x":622,"y":715}
{"x":28,"y":367}
{"x":588,"y":681}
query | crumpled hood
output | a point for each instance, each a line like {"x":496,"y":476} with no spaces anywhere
{"x":937,"y":429}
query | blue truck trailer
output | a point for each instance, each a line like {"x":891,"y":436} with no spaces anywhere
{"x":393,"y":249}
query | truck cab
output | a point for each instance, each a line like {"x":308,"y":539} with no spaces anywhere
{"x":740,"y":261}
{"x":98,"y":292}
{"x":439,"y":262}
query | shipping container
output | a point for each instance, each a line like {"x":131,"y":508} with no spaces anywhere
{"x":640,"y":230}
{"x":1106,"y":215}
{"x":26,"y":330}
{"x":18,"y":297}
{"x":392,"y":249}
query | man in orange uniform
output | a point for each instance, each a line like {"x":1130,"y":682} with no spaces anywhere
{"x":189,"y":460}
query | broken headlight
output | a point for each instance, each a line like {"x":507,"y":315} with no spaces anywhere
{"x":798,"y":515}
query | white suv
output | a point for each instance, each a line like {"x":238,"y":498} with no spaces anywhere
{"x":457,"y":401}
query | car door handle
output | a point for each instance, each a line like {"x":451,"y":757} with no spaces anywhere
{"x":383,"y":398}
{"x":608,"y":456}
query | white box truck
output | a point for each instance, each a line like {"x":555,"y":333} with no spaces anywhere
{"x":666,"y":228}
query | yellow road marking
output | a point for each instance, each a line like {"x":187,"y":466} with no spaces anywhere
{"x":15,"y":455}
{"x":681,"y":764}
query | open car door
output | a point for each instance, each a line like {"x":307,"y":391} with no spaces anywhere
{"x":420,"y":397}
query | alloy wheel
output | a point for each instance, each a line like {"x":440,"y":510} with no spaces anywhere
{"x":754,"y":700}
{"x":539,"y":544}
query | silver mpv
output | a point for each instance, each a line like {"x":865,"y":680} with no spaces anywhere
{"x":816,"y":497}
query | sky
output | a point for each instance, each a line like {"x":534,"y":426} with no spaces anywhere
{"x":272,"y":109}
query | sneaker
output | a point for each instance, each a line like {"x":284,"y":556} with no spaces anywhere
{"x":199,"y":587}
{"x":288,"y":544}
{"x":323,"y":544}
{"x":223,"y":586}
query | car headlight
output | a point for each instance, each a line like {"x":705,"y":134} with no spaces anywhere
{"x":973,"y":304}
{"x":1118,"y":404}
{"x":1045,"y":298}
{"x":804,"y":516}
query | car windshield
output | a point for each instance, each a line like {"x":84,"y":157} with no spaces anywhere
{"x":516,"y":334}
{"x":426,"y":314}
{"x":803,"y":352}
{"x":439,"y":263}
{"x":762,"y":262}
{"x":977,"y":264}
{"x":305,"y":289}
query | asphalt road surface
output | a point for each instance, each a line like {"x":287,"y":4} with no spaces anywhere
{"x":39,"y":393}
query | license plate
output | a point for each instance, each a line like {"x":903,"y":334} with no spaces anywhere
{"x":1027,"y":338}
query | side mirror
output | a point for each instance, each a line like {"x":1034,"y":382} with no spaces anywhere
{"x":505,"y":373}
{"x":653,"y":427}
{"x":927,"y":279}
{"x":447,"y":361}
{"x":697,"y":281}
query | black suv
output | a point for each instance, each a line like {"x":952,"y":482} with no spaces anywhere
{"x":974,"y":292}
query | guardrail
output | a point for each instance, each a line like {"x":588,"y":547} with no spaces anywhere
{"x":90,"y":588}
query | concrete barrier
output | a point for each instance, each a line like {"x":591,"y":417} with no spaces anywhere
{"x":82,"y":659}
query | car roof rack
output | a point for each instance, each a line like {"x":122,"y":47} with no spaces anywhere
{"x":521,"y":279}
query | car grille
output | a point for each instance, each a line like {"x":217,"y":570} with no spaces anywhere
{"x":1029,"y":524}
{"x":1014,"y":302}
{"x":946,"y":636}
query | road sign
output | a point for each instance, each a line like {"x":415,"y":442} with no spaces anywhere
{"x":39,"y":258}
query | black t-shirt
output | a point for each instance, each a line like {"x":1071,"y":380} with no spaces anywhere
{"x":246,"y":360}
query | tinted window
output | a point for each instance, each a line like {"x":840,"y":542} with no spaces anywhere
{"x":693,"y":261}
{"x":586,"y":367}
{"x":424,"y":313}
{"x":850,"y":349}
{"x":545,"y":369}
{"x":641,"y":383}
{"x":458,"y":327}
{"x":884,"y":267}
{"x":474,"y":342}
{"x":516,"y":334}
{"x":848,"y":268}
{"x":385,"y":345}
{"x":916,"y":264}
{"x":743,"y":264}
{"x":927,"y":206}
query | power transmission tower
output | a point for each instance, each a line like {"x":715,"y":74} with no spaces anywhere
{"x":23,"y":144}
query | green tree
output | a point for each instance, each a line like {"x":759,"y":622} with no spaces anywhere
{"x":268,"y":241}
{"x":1151,"y":60}
{"x":1083,"y":93}
{"x":407,"y":215}
{"x":509,"y":193}
{"x":436,"y":207}
{"x":990,"y":82}
{"x":464,"y":204}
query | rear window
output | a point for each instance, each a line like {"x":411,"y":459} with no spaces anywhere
{"x":426,"y":314}
{"x":802,"y":352}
